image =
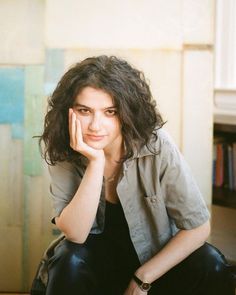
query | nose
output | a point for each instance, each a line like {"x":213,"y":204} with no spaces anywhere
{"x":95,"y":123}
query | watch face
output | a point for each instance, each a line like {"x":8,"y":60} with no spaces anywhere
{"x":146,"y":286}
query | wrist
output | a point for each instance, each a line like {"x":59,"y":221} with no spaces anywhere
{"x":98,"y":160}
{"x":97,"y":165}
{"x":142,"y":275}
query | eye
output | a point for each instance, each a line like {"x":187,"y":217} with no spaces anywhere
{"x":111,"y":112}
{"x":83,"y":111}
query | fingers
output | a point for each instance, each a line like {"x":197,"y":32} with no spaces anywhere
{"x":78,"y":132}
{"x":76,"y":138}
{"x":72,"y":127}
{"x":69,"y":117}
{"x":75,"y":131}
{"x":70,"y":122}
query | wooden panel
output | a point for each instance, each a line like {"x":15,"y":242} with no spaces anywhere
{"x":11,"y":179}
{"x":38,"y":228}
{"x":15,"y":195}
{"x":11,"y":262}
{"x":5,"y":144}
{"x":32,"y":229}
{"x":10,"y":211}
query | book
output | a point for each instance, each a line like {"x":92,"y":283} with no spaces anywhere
{"x":230,"y":167}
{"x":234,"y":164}
{"x":219,"y":165}
{"x":214,"y":165}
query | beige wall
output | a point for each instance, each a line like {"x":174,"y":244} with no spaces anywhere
{"x":170,"y":40}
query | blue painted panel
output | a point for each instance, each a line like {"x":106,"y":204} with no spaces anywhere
{"x":17,"y":131}
{"x":11,"y":95}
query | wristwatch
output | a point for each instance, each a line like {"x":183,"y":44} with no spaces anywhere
{"x":143,"y":286}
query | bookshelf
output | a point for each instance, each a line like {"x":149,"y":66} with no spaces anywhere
{"x":224,"y":194}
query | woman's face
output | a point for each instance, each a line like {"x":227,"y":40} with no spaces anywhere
{"x":97,"y":113}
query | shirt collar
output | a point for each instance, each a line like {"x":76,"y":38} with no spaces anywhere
{"x":143,"y":152}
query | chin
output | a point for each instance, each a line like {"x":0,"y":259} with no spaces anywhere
{"x":96,"y":146}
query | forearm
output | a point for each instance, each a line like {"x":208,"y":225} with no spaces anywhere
{"x":77,"y":217}
{"x":176,"y":250}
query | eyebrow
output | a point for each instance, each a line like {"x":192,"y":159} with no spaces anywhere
{"x":82,"y":105}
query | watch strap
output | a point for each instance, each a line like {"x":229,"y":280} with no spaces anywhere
{"x":142,"y":285}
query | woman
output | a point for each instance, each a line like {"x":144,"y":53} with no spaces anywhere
{"x":133,"y":218}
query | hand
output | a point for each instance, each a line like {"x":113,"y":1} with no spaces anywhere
{"x":76,"y":139}
{"x":133,"y":289}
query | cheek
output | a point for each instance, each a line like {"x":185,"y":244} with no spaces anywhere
{"x":115,"y":126}
{"x":84,"y":123}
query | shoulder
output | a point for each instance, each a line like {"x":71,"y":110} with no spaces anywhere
{"x":160,"y":144}
{"x":161,"y":137}
{"x":60,"y":166}
{"x":64,"y":168}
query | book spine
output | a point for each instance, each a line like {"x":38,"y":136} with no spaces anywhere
{"x":230,"y":167}
{"x":214,"y":166}
{"x":219,"y":165}
{"x":234,"y":165}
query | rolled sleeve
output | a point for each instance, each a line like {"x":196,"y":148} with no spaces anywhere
{"x":65,"y":181}
{"x":183,"y":199}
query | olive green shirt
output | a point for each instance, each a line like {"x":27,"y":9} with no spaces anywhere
{"x":157,"y":192}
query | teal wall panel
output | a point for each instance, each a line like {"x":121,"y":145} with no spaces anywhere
{"x":11,"y":95}
{"x":17,"y":131}
{"x":33,"y":123}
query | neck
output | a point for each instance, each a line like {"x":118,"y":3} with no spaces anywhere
{"x":114,"y":153}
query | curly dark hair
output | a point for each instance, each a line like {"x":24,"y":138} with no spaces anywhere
{"x":130,"y":93}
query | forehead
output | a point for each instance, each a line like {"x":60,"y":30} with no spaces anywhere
{"x":94,"y":98}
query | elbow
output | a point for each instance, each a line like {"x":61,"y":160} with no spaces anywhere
{"x":205,"y":230}
{"x":70,"y":234}
{"x":75,"y":239}
{"x":78,"y":238}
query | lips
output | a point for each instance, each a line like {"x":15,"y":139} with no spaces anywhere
{"x":95,"y":137}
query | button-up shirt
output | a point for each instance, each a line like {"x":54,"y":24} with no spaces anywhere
{"x":156,"y":189}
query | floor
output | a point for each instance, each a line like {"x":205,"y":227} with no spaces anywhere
{"x":223,"y":234}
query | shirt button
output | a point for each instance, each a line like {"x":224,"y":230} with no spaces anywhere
{"x":153,"y":200}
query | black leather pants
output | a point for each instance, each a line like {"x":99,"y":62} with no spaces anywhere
{"x":93,"y":268}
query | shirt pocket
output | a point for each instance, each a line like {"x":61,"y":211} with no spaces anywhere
{"x":154,"y":201}
{"x":156,"y":214}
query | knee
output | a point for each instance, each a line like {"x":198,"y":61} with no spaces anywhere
{"x":70,"y":268}
{"x":213,"y":264}
{"x":69,"y":255}
{"x":218,"y":270}
{"x":213,"y":259}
